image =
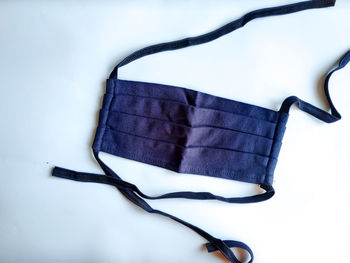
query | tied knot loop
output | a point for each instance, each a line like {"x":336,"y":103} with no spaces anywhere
{"x":224,"y":246}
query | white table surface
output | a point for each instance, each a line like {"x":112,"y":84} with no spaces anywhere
{"x":54,"y":59}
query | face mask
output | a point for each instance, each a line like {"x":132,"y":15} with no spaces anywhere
{"x":187,"y":131}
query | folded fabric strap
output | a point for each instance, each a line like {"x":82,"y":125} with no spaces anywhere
{"x":226,"y":29}
{"x":314,"y":111}
{"x":120,"y":184}
{"x":132,"y":193}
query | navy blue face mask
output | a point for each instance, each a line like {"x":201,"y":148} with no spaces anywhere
{"x":192,"y":132}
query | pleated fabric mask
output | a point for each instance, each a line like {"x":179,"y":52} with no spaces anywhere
{"x":188,"y":131}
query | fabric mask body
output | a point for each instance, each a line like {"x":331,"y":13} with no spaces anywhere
{"x":189,"y":132}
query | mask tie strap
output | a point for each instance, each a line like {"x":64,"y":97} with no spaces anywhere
{"x":221,"y":31}
{"x":116,"y":181}
{"x":311,"y":109}
{"x":128,"y":190}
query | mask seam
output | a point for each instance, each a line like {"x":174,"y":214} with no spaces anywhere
{"x":272,"y":147}
{"x":108,"y":108}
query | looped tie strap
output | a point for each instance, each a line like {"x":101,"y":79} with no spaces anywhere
{"x":311,"y":109}
{"x":224,"y":247}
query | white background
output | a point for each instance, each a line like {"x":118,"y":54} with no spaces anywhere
{"x":54,"y":59}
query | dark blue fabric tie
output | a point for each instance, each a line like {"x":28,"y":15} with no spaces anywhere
{"x":314,"y":111}
{"x":192,"y":132}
